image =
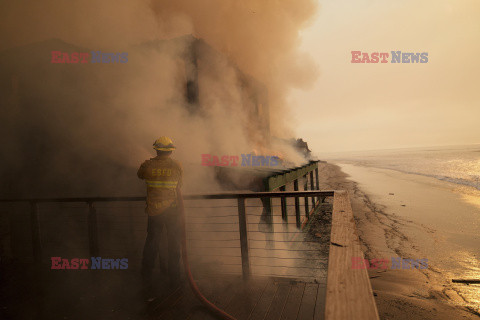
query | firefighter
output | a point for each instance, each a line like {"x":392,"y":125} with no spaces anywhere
{"x":163,"y":177}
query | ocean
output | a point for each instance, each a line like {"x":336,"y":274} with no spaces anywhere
{"x":455,"y":164}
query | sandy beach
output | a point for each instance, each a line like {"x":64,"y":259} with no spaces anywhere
{"x":401,"y":215}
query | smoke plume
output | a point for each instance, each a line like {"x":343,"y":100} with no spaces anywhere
{"x":98,"y":120}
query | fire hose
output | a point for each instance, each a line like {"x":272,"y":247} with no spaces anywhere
{"x":217,"y":311}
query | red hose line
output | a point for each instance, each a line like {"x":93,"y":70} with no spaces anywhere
{"x":219,"y":312}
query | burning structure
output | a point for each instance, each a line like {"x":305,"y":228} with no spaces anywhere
{"x":77,"y":127}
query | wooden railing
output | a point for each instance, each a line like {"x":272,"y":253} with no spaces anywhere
{"x":279,"y":181}
{"x":92,"y":215}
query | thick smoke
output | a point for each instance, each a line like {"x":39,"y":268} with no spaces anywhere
{"x":112,"y":113}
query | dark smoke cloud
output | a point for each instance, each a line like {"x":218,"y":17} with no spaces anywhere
{"x":106,"y":116}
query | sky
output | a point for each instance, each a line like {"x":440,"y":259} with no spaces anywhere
{"x":349,"y":106}
{"x":383,"y":106}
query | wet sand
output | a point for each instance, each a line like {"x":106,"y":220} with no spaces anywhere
{"x":400,"y":215}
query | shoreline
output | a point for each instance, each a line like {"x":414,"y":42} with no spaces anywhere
{"x":400,"y":294}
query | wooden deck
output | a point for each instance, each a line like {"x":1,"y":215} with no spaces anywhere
{"x":117,"y":295}
{"x":38,"y":292}
{"x":259,"y":298}
{"x":349,"y":292}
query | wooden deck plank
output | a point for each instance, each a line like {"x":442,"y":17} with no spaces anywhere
{"x":219,"y":293}
{"x":183,"y":308}
{"x":198,"y":311}
{"x":307,"y":308}
{"x":294,"y":300}
{"x":320,"y":303}
{"x":263,"y":304}
{"x":247,"y":298}
{"x":349,"y":292}
{"x":278,"y":302}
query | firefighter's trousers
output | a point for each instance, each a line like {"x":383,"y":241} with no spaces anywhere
{"x":168,"y":222}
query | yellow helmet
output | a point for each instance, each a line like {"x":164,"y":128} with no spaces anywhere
{"x":163,"y":144}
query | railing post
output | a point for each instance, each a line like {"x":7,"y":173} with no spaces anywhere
{"x":267,"y":206}
{"x":242,"y":222}
{"x":297,"y":204}
{"x":283,"y":201}
{"x":92,"y":230}
{"x":312,"y":187}
{"x":320,"y":199}
{"x":35,"y":227}
{"x":305,"y":188}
